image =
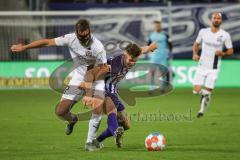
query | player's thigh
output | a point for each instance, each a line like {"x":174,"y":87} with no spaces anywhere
{"x":64,"y":106}
{"x":211,"y":79}
{"x":109,"y":106}
{"x":153,"y":67}
{"x":72,"y":91}
{"x":199,"y":77}
{"x":98,"y":105}
{"x":163,"y":70}
{"x":99,"y":89}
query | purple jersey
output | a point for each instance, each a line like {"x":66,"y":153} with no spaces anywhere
{"x":118,"y":72}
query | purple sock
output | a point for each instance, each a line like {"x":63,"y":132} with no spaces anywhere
{"x":112,"y":126}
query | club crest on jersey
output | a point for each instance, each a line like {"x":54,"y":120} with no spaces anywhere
{"x":88,"y":53}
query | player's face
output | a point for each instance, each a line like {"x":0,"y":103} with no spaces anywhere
{"x":84,"y":37}
{"x":158,"y":27}
{"x":216,"y":20}
{"x":129,"y":61}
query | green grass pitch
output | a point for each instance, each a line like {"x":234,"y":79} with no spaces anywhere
{"x":30,"y":130}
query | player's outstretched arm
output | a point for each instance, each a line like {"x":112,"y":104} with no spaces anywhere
{"x":36,"y":44}
{"x":149,"y":48}
{"x":195,"y":51}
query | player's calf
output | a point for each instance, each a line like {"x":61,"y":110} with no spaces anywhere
{"x":62,"y":110}
{"x":123,"y":120}
{"x":204,"y":101}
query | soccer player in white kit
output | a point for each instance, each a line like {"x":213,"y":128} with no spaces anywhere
{"x":213,"y":41}
{"x":84,"y":44}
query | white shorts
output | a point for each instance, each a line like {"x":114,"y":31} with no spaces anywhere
{"x":72,"y":92}
{"x":206,"y":77}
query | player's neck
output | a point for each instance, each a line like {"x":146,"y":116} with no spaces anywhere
{"x":215,"y":29}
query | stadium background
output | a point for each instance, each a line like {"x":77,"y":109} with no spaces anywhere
{"x":181,"y":22}
{"x":30,"y":130}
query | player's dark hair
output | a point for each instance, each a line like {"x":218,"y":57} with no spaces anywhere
{"x":133,"y":50}
{"x":157,"y":22}
{"x":82,"y":25}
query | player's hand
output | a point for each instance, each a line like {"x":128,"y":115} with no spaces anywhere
{"x":87,"y":101}
{"x":195,"y":57}
{"x":219,"y":53}
{"x":18,"y":48}
{"x":154,"y":46}
{"x":85,"y":85}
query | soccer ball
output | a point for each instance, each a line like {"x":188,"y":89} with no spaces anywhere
{"x":155,"y":142}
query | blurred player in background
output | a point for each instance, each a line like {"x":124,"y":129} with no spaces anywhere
{"x":85,"y":45}
{"x":117,"y":118}
{"x":159,"y":60}
{"x":213,"y":41}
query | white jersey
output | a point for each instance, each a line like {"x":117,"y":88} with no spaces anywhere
{"x":95,"y":51}
{"x":212,"y":42}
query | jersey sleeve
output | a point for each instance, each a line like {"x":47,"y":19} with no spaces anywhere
{"x":100,"y":53}
{"x":150,"y":39}
{"x":228,"y":41}
{"x":199,"y":37}
{"x":62,"y":41}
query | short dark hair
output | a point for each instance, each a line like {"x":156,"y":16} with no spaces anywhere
{"x":157,"y":22}
{"x":133,"y":50}
{"x":82,"y":25}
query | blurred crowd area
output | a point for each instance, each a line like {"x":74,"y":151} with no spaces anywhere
{"x":143,"y":1}
{"x":40,"y":4}
{"x":186,"y":22}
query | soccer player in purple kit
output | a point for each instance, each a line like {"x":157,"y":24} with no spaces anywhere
{"x":117,"y":119}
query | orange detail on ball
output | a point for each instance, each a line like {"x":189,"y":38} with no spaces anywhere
{"x":154,"y":139}
{"x":149,"y":142}
{"x":150,"y":148}
{"x":158,"y":148}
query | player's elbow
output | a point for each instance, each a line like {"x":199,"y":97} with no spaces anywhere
{"x":230,"y":52}
{"x":49,"y":42}
{"x":195,"y":46}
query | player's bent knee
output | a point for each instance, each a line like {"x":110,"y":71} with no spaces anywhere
{"x":126,"y":126}
{"x":112,"y":111}
{"x":60,"y":112}
{"x":63,"y":107}
{"x":197,"y":89}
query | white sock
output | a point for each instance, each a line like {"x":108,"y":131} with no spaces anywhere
{"x":205,"y":100}
{"x":93,"y":126}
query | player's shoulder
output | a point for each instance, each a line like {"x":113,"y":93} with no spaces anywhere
{"x":165,"y":34}
{"x":205,"y":30}
{"x":96,"y":44}
{"x":65,"y":39}
{"x":70,"y":35}
{"x":224,"y":32}
{"x":152,"y":34}
{"x":115,"y":58}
